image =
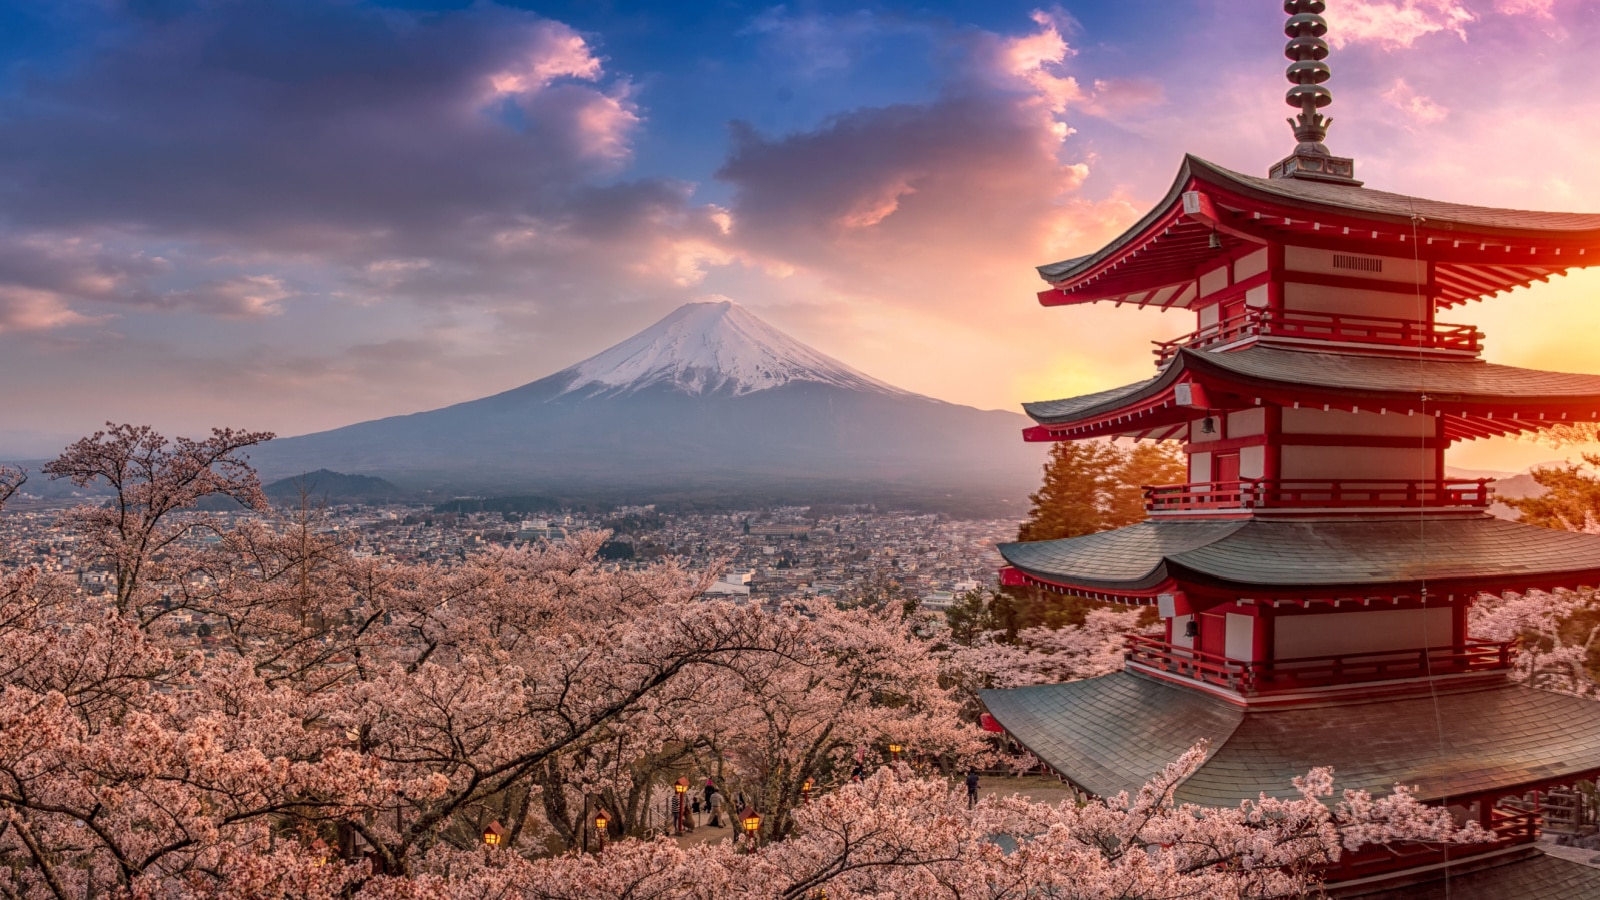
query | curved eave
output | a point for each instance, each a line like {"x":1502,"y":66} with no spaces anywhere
{"x":1144,"y":592}
{"x":1389,"y":556}
{"x":1480,"y":250}
{"x":1157,"y":408}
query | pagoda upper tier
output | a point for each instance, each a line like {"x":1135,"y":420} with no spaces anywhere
{"x":1444,"y":253}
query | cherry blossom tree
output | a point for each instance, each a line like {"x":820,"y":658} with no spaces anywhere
{"x":1041,"y":655}
{"x":898,"y":835}
{"x":357,"y":723}
{"x":1556,"y":630}
{"x":154,"y":481}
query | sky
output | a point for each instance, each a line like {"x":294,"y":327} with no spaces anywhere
{"x":297,"y":215}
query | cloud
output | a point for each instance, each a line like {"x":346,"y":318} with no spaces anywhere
{"x":243,"y":297}
{"x":31,"y":310}
{"x":1419,"y":109}
{"x":1396,"y":23}
{"x":472,"y":159}
{"x":875,"y":193}
{"x":1543,"y":9}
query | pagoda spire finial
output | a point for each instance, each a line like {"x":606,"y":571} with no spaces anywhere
{"x":1306,"y":49}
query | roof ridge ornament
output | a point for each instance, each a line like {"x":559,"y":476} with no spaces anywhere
{"x":1307,"y":71}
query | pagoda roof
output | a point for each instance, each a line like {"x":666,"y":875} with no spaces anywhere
{"x":1477,"y":399}
{"x":1115,"y":732}
{"x":1480,"y":250}
{"x":1323,"y":557}
{"x":1530,"y":876}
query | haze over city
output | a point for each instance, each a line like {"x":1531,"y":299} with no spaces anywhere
{"x":295,"y":216}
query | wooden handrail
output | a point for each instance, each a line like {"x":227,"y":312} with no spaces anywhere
{"x":1329,"y":493}
{"x":1327,"y":327}
{"x":1249,"y":678}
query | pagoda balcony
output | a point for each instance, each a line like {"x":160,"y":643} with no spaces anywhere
{"x":1253,"y":679}
{"x":1334,"y":494}
{"x":1370,"y":331}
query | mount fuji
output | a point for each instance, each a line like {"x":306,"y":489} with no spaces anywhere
{"x":709,"y":402}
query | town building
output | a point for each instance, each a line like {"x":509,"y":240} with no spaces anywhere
{"x":1313,"y":575}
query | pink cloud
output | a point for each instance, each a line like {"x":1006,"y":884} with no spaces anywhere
{"x":1037,"y":59}
{"x":1395,"y":23}
{"x":241,"y":297}
{"x":22,"y":309}
{"x":1543,"y":9}
{"x":1419,"y":109}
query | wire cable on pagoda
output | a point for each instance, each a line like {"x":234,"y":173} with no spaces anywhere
{"x":1423,"y":306}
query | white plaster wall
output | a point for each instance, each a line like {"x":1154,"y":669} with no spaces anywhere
{"x":1180,"y":624}
{"x":1252,"y":462}
{"x":1200,"y":436}
{"x":1250,"y":264}
{"x":1213,"y":281}
{"x":1322,"y":298}
{"x":1200,"y":467}
{"x":1257,"y":297}
{"x":1208,"y":315}
{"x":1338,"y":421}
{"x":1239,"y":638}
{"x":1247,"y":422}
{"x":1395,"y":268}
{"x":1367,"y":631}
{"x":1356,"y":463}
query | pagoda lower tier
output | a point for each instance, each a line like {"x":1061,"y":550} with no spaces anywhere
{"x":1488,"y":750}
{"x":1453,"y":744}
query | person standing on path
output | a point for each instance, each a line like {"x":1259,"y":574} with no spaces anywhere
{"x":715,"y":805}
{"x":711,"y":788}
{"x":972,"y":788}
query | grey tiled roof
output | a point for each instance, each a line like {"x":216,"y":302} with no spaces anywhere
{"x":1378,"y":375}
{"x":1537,"y":877}
{"x":1126,"y":557}
{"x":1397,"y":207}
{"x":1073,"y":407}
{"x":1113,"y":733}
{"x":1290,"y":553}
{"x":1347,"y":374}
{"x":1345,"y":199}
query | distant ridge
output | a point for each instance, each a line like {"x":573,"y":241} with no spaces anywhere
{"x":709,"y":401}
{"x":324,"y":483}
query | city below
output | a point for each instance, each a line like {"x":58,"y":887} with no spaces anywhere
{"x":765,"y":556}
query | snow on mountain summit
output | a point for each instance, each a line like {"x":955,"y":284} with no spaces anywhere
{"x":713,"y":346}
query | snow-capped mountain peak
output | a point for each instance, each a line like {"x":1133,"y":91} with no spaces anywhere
{"x":712,"y":346}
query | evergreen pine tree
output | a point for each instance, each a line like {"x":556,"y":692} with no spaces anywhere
{"x":1145,"y":463}
{"x":1079,"y":478}
{"x":1092,"y":486}
{"x":1571,"y":499}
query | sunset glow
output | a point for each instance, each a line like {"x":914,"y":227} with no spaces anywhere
{"x":359,"y":211}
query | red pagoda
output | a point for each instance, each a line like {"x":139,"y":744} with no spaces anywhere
{"x":1313,"y":575}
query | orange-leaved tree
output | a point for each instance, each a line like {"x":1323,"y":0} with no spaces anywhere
{"x":1092,"y":486}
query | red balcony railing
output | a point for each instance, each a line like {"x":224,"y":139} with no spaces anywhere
{"x":1316,"y":494}
{"x":1508,"y":826}
{"x":1268,"y":676}
{"x":1377,"y":330}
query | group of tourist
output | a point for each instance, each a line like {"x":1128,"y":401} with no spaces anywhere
{"x":709,"y":803}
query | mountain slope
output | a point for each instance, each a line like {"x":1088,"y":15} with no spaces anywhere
{"x":708,"y":400}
